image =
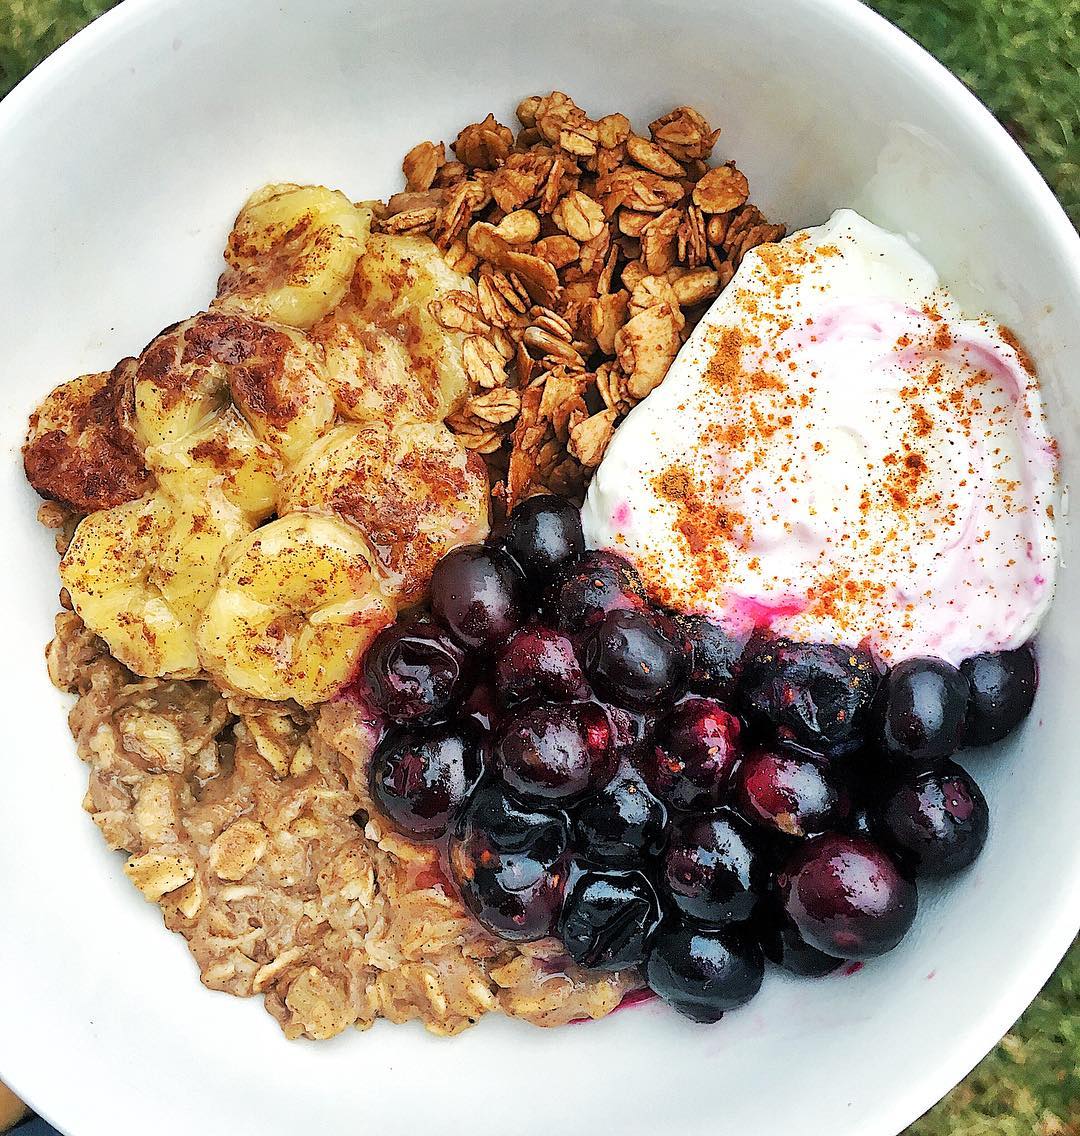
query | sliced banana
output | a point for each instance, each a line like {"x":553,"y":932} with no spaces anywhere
{"x":223,"y":454}
{"x":411,"y":488}
{"x":140,"y":574}
{"x":296,"y":604}
{"x":80,"y":448}
{"x":232,"y":400}
{"x":397,"y":282}
{"x":291,"y":253}
{"x":369,"y":371}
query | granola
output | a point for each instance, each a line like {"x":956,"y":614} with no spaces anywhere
{"x":595,"y":251}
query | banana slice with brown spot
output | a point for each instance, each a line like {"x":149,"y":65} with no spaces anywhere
{"x":291,"y":253}
{"x":411,"y":488}
{"x":296,"y":605}
{"x":141,"y":573}
{"x":80,"y":448}
{"x":394,"y":299}
{"x":227,"y":400}
{"x":369,"y":371}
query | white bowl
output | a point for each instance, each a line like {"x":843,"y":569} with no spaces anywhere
{"x":125,"y":157}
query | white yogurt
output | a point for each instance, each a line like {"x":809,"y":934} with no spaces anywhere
{"x":839,"y":454}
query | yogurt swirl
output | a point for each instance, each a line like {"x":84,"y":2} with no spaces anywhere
{"x":839,"y":454}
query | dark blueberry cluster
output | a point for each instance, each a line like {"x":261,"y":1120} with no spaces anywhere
{"x":660,"y":794}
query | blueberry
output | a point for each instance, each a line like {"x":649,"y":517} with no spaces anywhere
{"x":703,"y":972}
{"x":544,"y":536}
{"x":790,"y":794}
{"x":477,"y":595}
{"x":608,"y":919}
{"x":595,"y":584}
{"x":783,"y":945}
{"x":814,"y":696}
{"x":556,"y":753}
{"x":634,"y":731}
{"x":846,"y":896}
{"x":415,"y":672}
{"x":936,"y":819}
{"x":923,"y":705}
{"x":538,"y":664}
{"x":622,"y":824}
{"x":716,"y":657}
{"x":509,"y":864}
{"x":1002,"y":692}
{"x":699,"y":746}
{"x":421,"y":779}
{"x":632,"y":660}
{"x":712,"y":870}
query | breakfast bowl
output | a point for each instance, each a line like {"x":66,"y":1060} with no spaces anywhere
{"x":125,"y":156}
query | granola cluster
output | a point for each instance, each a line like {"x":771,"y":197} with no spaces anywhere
{"x":595,"y":251}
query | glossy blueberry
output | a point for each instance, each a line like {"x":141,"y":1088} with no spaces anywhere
{"x":544,"y":536}
{"x":783,"y":945}
{"x":415,"y":672}
{"x":704,"y":972}
{"x":712,"y":870}
{"x":716,"y":657}
{"x":923,"y":704}
{"x":595,"y":584}
{"x":634,"y":731}
{"x":698,"y":749}
{"x":608,"y":919}
{"x":538,"y":665}
{"x":1002,"y":691}
{"x":632,"y":660}
{"x":556,"y":753}
{"x":846,"y":896}
{"x":814,"y":696}
{"x":421,"y":779}
{"x":790,"y":794}
{"x":477,"y":594}
{"x":623,"y":823}
{"x":937,"y":820}
{"x":509,"y":864}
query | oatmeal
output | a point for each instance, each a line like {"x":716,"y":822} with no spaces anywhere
{"x":250,"y":823}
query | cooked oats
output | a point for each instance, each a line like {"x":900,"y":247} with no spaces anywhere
{"x":249,"y":823}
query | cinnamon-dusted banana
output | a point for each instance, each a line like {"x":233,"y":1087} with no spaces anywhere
{"x":411,"y":488}
{"x":80,"y":448}
{"x":225,"y":399}
{"x":296,"y":604}
{"x":404,"y":291}
{"x":225,"y":455}
{"x":370,"y":372}
{"x":291,"y":253}
{"x":140,"y":574}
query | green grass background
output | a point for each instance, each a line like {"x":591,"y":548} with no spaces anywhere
{"x":1022,"y":57}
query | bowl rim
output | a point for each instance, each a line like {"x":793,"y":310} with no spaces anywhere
{"x":1015,"y":992}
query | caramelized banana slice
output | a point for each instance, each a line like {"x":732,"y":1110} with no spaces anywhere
{"x":224,"y":454}
{"x":80,"y":448}
{"x":411,"y":488}
{"x":401,"y":286}
{"x":368,"y":370}
{"x":225,"y":399}
{"x":140,"y":574}
{"x":291,"y":253}
{"x":297,"y":603}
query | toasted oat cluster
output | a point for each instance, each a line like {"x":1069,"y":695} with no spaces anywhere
{"x":245,"y":504}
{"x":595,"y":251}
